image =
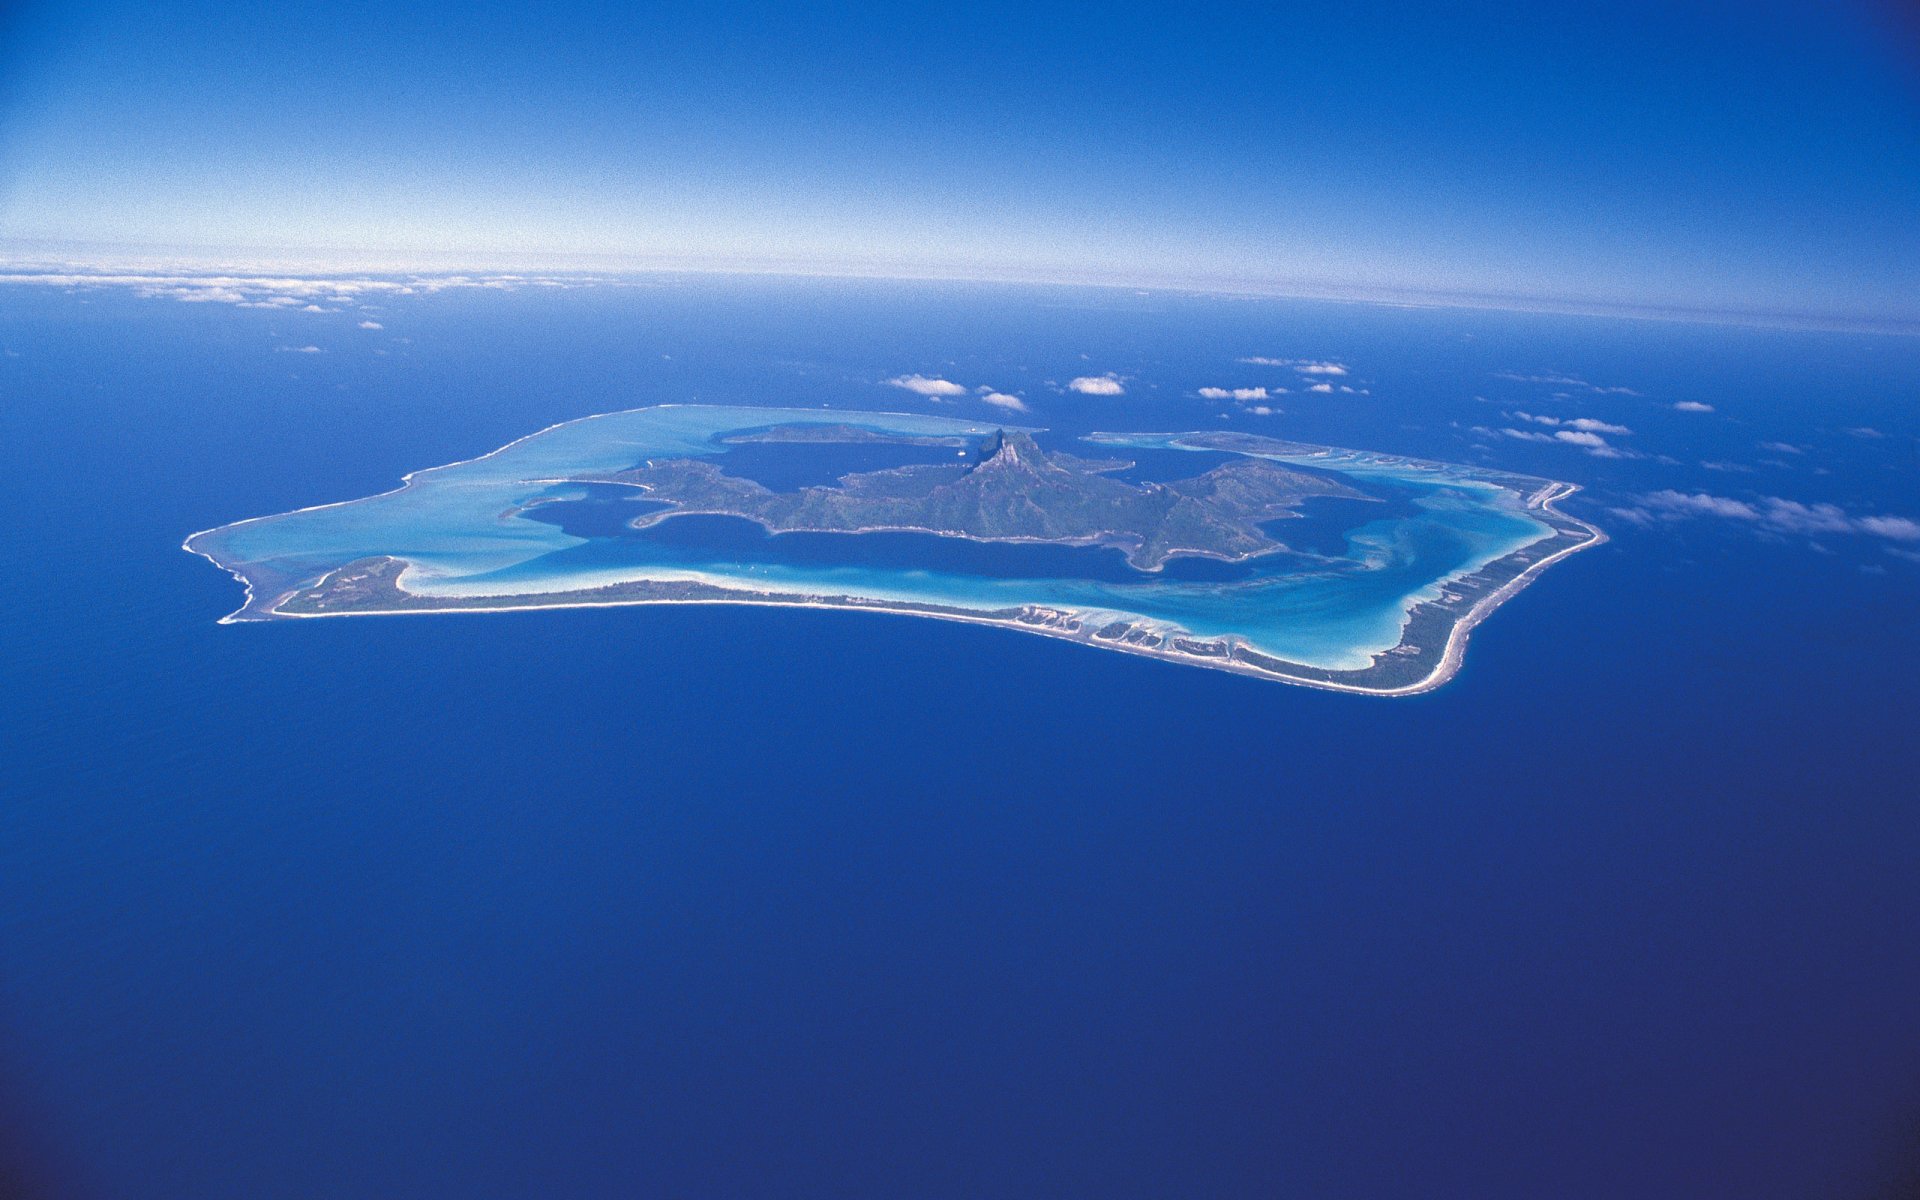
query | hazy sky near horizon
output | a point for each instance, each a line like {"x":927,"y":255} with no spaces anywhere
{"x":1762,"y":156}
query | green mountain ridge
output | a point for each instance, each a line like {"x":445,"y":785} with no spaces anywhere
{"x":1016,"y":492}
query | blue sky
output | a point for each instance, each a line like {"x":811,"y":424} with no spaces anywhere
{"x":1756,"y":157}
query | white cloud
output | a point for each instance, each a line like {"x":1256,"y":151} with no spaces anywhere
{"x":1866,"y":431}
{"x":1587,"y":440}
{"x":1699,"y":504}
{"x":1098,"y":385}
{"x":1578,"y":437}
{"x":1571,"y":381}
{"x":1305,"y":366}
{"x":1004,"y":400}
{"x":1321,"y":387}
{"x":204,"y":295}
{"x":1773,"y":513}
{"x":1782,"y":447}
{"x":371,"y":325}
{"x":298,"y":349}
{"x":921,"y":385}
{"x":1692,"y":406}
{"x":1581,"y":424}
{"x":1899,"y":529}
{"x":1590,"y":425}
{"x":1261,"y":410}
{"x":1791,"y":516}
{"x":1245,"y":393}
{"x":307,"y":294}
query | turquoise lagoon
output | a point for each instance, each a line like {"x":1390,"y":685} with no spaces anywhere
{"x":466,"y":534}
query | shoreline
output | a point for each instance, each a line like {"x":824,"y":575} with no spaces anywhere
{"x":406,"y":480}
{"x":1456,"y":649}
{"x":1099,"y":628}
{"x":1452,"y":656}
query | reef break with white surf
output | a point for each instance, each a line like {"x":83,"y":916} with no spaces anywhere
{"x":1306,"y":564}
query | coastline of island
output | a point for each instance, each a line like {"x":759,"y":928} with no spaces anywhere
{"x":1434,"y":630}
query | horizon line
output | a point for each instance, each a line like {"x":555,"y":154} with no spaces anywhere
{"x":33,"y":256}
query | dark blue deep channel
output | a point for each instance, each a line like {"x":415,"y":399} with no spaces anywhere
{"x":718,"y":902}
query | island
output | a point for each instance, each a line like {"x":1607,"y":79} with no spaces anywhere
{"x":1015,"y":492}
{"x":1306,"y":564}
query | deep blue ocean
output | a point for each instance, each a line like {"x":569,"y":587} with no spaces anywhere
{"x":717,"y":902}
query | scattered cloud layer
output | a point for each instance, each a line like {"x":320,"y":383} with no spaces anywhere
{"x":1252,"y":400}
{"x":1575,"y":437}
{"x":1574,"y":382}
{"x":1899,"y":529}
{"x":1772,"y":514}
{"x":1098,"y":385}
{"x":1585,"y":439}
{"x":1304,"y":366}
{"x":1582,"y":424}
{"x":1584,"y":432}
{"x":288,"y":293}
{"x":1591,"y":425}
{"x":937,"y":389}
{"x":924,"y":386}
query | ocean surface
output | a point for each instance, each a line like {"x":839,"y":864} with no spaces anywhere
{"x":698,"y":901}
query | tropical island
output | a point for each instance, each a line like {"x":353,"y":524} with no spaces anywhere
{"x":1014,"y":492}
{"x":1308,"y":564}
